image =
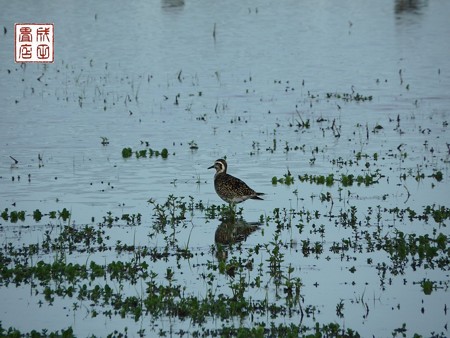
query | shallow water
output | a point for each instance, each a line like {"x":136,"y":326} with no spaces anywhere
{"x":153,"y":72}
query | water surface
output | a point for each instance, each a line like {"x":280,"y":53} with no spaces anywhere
{"x":239,"y":80}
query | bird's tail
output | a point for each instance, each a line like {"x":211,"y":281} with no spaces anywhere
{"x":256,"y":197}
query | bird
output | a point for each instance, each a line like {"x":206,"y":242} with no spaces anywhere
{"x":229,"y":188}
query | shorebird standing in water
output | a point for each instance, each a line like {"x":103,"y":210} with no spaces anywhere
{"x":229,"y":188}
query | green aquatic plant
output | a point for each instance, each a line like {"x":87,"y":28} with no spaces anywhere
{"x":367,"y":180}
{"x":155,"y":268}
{"x":144,"y":153}
{"x":347,"y":97}
{"x":340,"y":309}
{"x":13,"y":216}
{"x":14,"y":333}
{"x":427,"y":286}
{"x":64,"y":214}
{"x":170,"y":215}
{"x":5,"y":214}
{"x":317,"y":179}
{"x":346,"y":180}
{"x":16,"y":215}
{"x":287,"y":179}
{"x":37,"y":215}
{"x":302,"y":124}
{"x":132,"y":219}
{"x":438,"y":176}
{"x":141,"y":153}
{"x":126,"y":152}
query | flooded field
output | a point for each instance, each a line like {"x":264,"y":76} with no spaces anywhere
{"x":338,"y":111}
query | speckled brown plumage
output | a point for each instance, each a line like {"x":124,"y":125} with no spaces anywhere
{"x":229,"y":188}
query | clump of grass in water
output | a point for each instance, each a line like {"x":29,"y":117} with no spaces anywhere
{"x":347,"y":97}
{"x":318,"y":179}
{"x":13,"y":216}
{"x":168,"y":213}
{"x":427,"y":286}
{"x":19,"y":215}
{"x":287,"y":179}
{"x":164,"y":296}
{"x":128,"y":152}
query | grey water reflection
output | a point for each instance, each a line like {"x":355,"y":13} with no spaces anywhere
{"x":410,"y":6}
{"x":172,"y":4}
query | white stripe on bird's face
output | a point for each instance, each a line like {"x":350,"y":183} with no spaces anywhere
{"x":220,"y":166}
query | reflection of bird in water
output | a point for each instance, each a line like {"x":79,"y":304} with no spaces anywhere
{"x":229,"y":232}
{"x":229,"y":188}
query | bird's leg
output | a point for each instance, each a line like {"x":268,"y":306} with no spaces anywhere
{"x":232,"y":211}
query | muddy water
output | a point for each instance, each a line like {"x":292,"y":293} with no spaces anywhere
{"x":300,"y":87}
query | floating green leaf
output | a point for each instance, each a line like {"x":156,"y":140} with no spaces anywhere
{"x":126,"y":152}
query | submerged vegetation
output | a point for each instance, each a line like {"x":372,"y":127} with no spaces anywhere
{"x":234,"y":276}
{"x":218,"y":270}
{"x":147,"y":152}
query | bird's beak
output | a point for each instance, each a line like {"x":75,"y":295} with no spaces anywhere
{"x":211,"y":167}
